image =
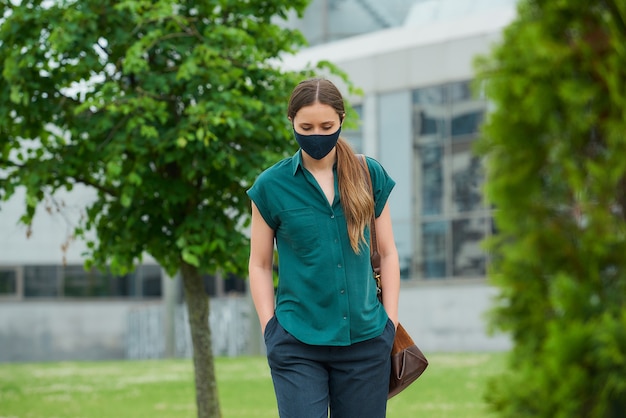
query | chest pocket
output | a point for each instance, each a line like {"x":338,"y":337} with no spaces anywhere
{"x":299,"y":228}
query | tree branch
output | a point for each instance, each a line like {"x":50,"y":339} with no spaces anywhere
{"x":7,"y":163}
{"x":191,"y":30}
{"x":92,"y":183}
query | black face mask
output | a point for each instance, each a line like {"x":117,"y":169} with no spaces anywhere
{"x":317,"y":146}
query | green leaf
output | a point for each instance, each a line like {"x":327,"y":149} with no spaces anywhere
{"x":181,"y":142}
{"x":16,"y":94}
{"x":114,"y":169}
{"x":200,"y":134}
{"x":126,"y":200}
{"x":190,"y":258}
{"x":135,"y":178}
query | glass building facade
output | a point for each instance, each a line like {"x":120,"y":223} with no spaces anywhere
{"x":452,"y":216}
{"x":440,"y":224}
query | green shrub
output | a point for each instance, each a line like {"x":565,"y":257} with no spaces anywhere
{"x":555,"y":147}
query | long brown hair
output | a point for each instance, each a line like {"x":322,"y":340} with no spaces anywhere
{"x":356,"y":197}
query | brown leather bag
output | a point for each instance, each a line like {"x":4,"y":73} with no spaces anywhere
{"x":407,"y":360}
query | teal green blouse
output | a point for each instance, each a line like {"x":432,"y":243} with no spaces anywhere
{"x":326,"y":294}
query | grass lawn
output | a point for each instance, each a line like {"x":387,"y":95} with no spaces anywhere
{"x":452,"y":386}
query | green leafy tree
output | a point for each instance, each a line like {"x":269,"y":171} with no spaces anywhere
{"x":168,"y":109}
{"x":555,"y":144}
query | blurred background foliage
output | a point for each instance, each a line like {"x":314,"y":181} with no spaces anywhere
{"x":554,"y":143}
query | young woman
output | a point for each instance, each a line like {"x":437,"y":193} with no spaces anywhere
{"x":328,"y":337}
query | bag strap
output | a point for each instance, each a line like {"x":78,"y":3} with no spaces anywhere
{"x":374,"y":255}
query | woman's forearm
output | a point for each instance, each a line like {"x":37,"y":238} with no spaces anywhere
{"x":390,"y":281}
{"x":262,"y":291}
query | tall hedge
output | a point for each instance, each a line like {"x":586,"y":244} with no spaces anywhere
{"x":555,"y":151}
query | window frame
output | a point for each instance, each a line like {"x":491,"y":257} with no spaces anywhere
{"x":19,"y":283}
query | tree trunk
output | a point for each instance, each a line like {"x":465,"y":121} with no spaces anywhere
{"x":197,"y":301}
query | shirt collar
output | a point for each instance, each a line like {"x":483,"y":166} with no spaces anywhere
{"x":296,"y":161}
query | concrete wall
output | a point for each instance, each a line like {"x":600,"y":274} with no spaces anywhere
{"x":45,"y":331}
{"x":449,"y":317}
{"x":440,"y":317}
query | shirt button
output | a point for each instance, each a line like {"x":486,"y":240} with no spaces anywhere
{"x":343,"y":291}
{"x":345,"y":317}
{"x":339,"y":266}
{"x":332,"y":216}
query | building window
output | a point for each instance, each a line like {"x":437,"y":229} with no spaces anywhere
{"x":468,"y":259}
{"x":73,"y":281}
{"x":430,"y":114}
{"x":218,"y":285}
{"x":77,"y":282}
{"x":466,"y":112}
{"x":42,"y":281}
{"x":452,"y":219}
{"x":151,"y":282}
{"x":8,"y":282}
{"x":432,"y":179}
{"x":144,"y":282}
{"x":466,"y":178}
{"x":434,"y":237}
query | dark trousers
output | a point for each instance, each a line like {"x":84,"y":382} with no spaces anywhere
{"x":309,"y":380}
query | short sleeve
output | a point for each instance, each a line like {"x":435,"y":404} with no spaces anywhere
{"x":382,"y":184}
{"x":258,"y":194}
